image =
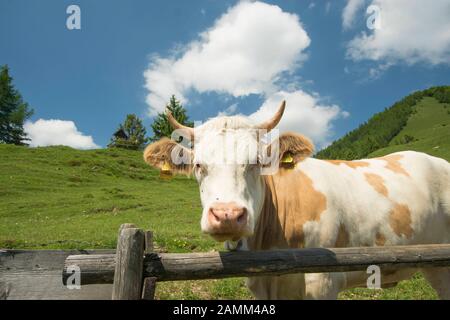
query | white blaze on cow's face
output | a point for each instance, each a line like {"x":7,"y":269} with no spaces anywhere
{"x":227,"y":167}
{"x":228,"y":162}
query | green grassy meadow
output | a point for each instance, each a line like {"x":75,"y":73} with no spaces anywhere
{"x":61,"y":198}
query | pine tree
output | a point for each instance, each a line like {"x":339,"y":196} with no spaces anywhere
{"x":130,"y":135}
{"x":161,"y":127}
{"x":13,"y":111}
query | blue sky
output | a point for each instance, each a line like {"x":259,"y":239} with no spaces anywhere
{"x":218,"y":57}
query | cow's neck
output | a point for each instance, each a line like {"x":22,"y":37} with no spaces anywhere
{"x":290,"y":201}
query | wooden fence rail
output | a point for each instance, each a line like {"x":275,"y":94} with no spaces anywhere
{"x":96,"y":269}
{"x":135,"y":268}
{"x":36,"y":274}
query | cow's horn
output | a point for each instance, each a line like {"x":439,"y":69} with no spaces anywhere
{"x":272,"y":123}
{"x":176,"y":125}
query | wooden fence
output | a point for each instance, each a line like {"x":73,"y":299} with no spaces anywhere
{"x":133,"y":269}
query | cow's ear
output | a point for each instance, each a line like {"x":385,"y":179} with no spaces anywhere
{"x":294,"y":147}
{"x":167,"y":152}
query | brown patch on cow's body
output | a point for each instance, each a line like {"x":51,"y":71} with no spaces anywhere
{"x":290,"y":202}
{"x":380,"y":239}
{"x":351,"y":164}
{"x":400,"y":220}
{"x":377,"y":182}
{"x":343,"y":237}
{"x":393,"y":164}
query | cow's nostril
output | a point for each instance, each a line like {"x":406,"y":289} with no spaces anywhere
{"x":241,"y":218}
{"x":216,"y":217}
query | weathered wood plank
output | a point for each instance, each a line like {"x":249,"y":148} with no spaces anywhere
{"x":94,"y":269}
{"x":129,"y":264}
{"x":36,"y":274}
{"x":149,"y":286}
{"x":193,"y":266}
{"x":100,"y":269}
{"x":148,"y":242}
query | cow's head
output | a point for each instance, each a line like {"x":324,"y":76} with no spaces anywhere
{"x":228,"y":158}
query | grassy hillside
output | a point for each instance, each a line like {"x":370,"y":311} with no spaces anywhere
{"x":60,"y":198}
{"x":57,"y":197}
{"x":430,"y":108}
{"x":427,"y":130}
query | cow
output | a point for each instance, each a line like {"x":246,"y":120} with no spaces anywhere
{"x":399,"y":199}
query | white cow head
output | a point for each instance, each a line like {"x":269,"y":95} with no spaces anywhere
{"x":228,"y":160}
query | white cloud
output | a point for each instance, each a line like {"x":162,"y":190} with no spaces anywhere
{"x":311,"y":5}
{"x":245,"y":52}
{"x":327,"y":7}
{"x":345,"y":114}
{"x":349,"y":12}
{"x":57,"y":132}
{"x":228,"y":111}
{"x":253,"y":48}
{"x":377,"y":72}
{"x":411,"y":32}
{"x":304,"y":113}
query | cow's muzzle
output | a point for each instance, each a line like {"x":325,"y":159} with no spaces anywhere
{"x":227,"y":221}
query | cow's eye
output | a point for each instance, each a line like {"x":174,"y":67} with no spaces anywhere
{"x":197,"y":166}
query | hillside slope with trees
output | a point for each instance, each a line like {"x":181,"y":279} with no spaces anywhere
{"x":386,"y":129}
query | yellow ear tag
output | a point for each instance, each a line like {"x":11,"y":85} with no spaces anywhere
{"x":287,"y":158}
{"x":287,"y":161}
{"x":165,"y":172}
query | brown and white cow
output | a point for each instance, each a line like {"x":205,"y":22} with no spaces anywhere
{"x":399,"y":199}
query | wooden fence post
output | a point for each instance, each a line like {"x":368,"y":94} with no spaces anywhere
{"x":149,"y":287}
{"x":129,"y":263}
